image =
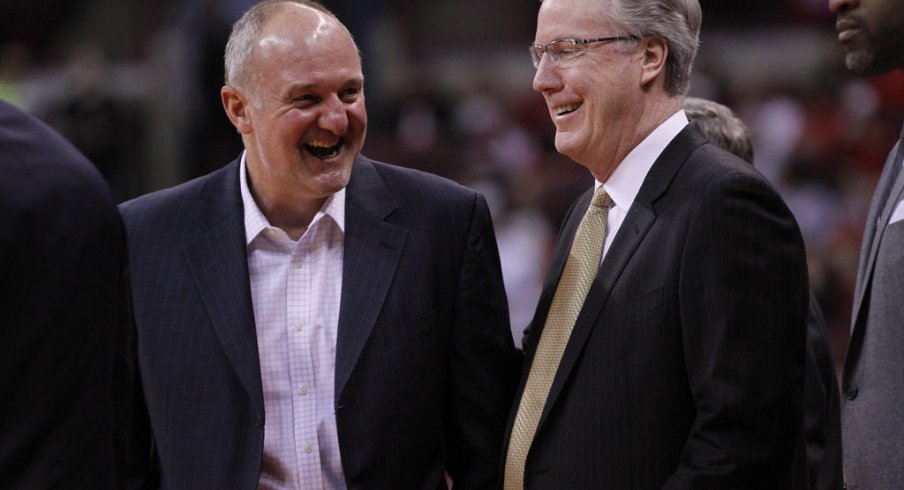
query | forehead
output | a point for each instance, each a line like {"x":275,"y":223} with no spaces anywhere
{"x":299,"y":38}
{"x":559,"y":19}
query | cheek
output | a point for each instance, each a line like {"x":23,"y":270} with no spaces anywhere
{"x":357,"y":115}
{"x":296,"y":122}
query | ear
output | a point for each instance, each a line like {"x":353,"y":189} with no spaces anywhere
{"x":236,"y":105}
{"x":655,"y":51}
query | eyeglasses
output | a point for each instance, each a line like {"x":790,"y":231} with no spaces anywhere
{"x":568,"y":49}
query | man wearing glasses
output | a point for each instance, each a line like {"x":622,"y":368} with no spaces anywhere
{"x":667,"y":350}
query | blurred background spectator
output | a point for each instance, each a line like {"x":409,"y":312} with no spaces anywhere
{"x":135,"y":85}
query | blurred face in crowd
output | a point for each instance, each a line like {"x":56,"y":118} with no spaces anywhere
{"x":592,"y":98}
{"x":304,"y":121}
{"x":872,"y":34}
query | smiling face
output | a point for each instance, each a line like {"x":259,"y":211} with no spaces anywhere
{"x":594,"y":100}
{"x":304,"y":122}
{"x":871,"y":33}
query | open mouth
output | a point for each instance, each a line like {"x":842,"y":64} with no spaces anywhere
{"x":567,"y":109}
{"x":324,"y":149}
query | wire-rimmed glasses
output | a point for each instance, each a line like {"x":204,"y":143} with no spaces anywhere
{"x":568,"y":49}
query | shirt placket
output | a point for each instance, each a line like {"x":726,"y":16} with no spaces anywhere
{"x":300,"y":317}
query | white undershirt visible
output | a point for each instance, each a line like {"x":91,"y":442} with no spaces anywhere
{"x":295,"y":290}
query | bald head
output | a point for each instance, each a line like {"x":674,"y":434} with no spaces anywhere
{"x":245,"y":40}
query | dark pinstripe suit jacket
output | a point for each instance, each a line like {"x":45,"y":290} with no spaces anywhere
{"x":685,"y":367}
{"x":425,"y":367}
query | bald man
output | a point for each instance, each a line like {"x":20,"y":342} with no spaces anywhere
{"x":309,"y":318}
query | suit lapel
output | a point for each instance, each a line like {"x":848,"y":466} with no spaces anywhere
{"x":373,"y":247}
{"x":219,"y":264}
{"x":879,"y":213}
{"x":637,"y":223}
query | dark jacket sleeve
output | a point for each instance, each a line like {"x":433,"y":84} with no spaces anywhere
{"x":484,"y":364}
{"x":743,"y":299}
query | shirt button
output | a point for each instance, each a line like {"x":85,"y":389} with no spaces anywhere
{"x":303,"y":391}
{"x":308,"y":448}
{"x":297,"y":264}
{"x":298,"y":327}
{"x":851,"y":392}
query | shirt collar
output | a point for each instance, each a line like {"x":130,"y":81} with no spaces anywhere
{"x":256,"y":222}
{"x":624,"y":183}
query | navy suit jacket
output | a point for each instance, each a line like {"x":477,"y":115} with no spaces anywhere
{"x":685,"y":367}
{"x":64,"y":373}
{"x":425,"y":366}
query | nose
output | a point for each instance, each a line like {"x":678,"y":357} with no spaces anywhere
{"x":546,"y":79}
{"x":840,"y":6}
{"x":333,"y":116}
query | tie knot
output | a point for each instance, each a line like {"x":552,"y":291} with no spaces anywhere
{"x":601,"y":199}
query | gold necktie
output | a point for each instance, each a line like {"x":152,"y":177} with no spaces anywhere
{"x":580,"y":270}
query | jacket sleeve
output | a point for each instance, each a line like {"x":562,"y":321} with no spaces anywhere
{"x":743,"y":307}
{"x":484,"y":363}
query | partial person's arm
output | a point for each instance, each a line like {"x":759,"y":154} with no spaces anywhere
{"x":484,"y":364}
{"x":143,"y":466}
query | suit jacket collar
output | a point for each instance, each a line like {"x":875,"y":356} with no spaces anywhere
{"x":638,"y":221}
{"x":219,"y":264}
{"x":373,"y":247}
{"x":218,"y":260}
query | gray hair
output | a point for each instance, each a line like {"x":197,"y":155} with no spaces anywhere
{"x":675,"y":21}
{"x":721,"y":126}
{"x":245,"y":32}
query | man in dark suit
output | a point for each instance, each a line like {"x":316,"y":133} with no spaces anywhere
{"x":63,"y":357}
{"x":667,"y":350}
{"x":821,"y":399}
{"x":872,"y":35}
{"x":307,"y":317}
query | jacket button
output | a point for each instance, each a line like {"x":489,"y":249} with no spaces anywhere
{"x":258,"y":420}
{"x":851,"y":392}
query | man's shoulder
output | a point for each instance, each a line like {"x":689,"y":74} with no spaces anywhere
{"x":177,"y":202}
{"x":39,"y":164}
{"x":713,"y":163}
{"x":407,"y":183}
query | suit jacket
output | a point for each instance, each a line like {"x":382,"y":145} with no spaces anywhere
{"x":685,"y":367}
{"x":63,"y":363}
{"x":822,"y":416}
{"x":873,"y":377}
{"x":425,"y":366}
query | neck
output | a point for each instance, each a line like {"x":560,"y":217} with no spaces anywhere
{"x":649,"y":117}
{"x":284,"y":209}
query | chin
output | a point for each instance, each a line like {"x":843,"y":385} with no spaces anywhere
{"x":336,"y":180}
{"x":566,"y":145}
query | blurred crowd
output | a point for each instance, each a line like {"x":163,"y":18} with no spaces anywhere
{"x":147,"y":113}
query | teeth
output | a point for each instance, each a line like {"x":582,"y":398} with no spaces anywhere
{"x":324,"y":148}
{"x":323,"y":143}
{"x":565,"y":109}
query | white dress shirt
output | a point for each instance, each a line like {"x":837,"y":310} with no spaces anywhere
{"x":295,"y":290}
{"x":624,"y":183}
